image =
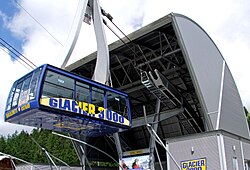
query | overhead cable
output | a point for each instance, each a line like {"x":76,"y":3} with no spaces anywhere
{"x":39,"y":24}
{"x":14,"y":58}
{"x":110,"y":18}
{"x":17,"y":54}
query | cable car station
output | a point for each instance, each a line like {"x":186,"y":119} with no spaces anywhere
{"x":173,"y":101}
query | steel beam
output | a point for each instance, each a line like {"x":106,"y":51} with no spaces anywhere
{"x":162,"y":116}
{"x":152,"y":139}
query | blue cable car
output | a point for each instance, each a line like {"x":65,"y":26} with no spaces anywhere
{"x":54,"y":99}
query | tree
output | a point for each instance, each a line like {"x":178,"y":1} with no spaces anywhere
{"x":2,"y":144}
{"x":247,"y":115}
{"x":22,"y":146}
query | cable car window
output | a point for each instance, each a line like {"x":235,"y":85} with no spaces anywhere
{"x":117,"y":103}
{"x":82,"y":92}
{"x":60,"y":80}
{"x":10,"y":98}
{"x":24,"y":96}
{"x":16,"y":95}
{"x":97,"y":97}
{"x":56,"y":85}
{"x":33,"y":84}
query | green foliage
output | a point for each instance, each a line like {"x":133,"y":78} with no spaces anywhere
{"x":247,"y":115}
{"x":22,"y":146}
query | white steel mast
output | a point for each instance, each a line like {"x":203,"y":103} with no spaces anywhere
{"x":86,"y":10}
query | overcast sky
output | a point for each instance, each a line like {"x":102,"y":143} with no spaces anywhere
{"x":40,"y":28}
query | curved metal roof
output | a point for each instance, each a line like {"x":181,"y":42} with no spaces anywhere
{"x":189,"y":60}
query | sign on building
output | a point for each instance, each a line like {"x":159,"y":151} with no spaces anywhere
{"x":194,"y":164}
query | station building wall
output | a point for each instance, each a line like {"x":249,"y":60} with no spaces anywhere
{"x":220,"y":150}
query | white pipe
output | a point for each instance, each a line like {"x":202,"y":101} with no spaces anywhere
{"x":85,"y":143}
{"x":158,"y":140}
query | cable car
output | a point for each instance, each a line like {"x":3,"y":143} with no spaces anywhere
{"x":54,"y":99}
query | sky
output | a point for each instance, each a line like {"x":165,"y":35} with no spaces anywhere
{"x":40,"y":29}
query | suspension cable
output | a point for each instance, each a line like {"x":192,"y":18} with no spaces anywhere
{"x":6,"y":50}
{"x":39,"y":24}
{"x":126,"y":44}
{"x":17,"y":54}
{"x":110,"y":18}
